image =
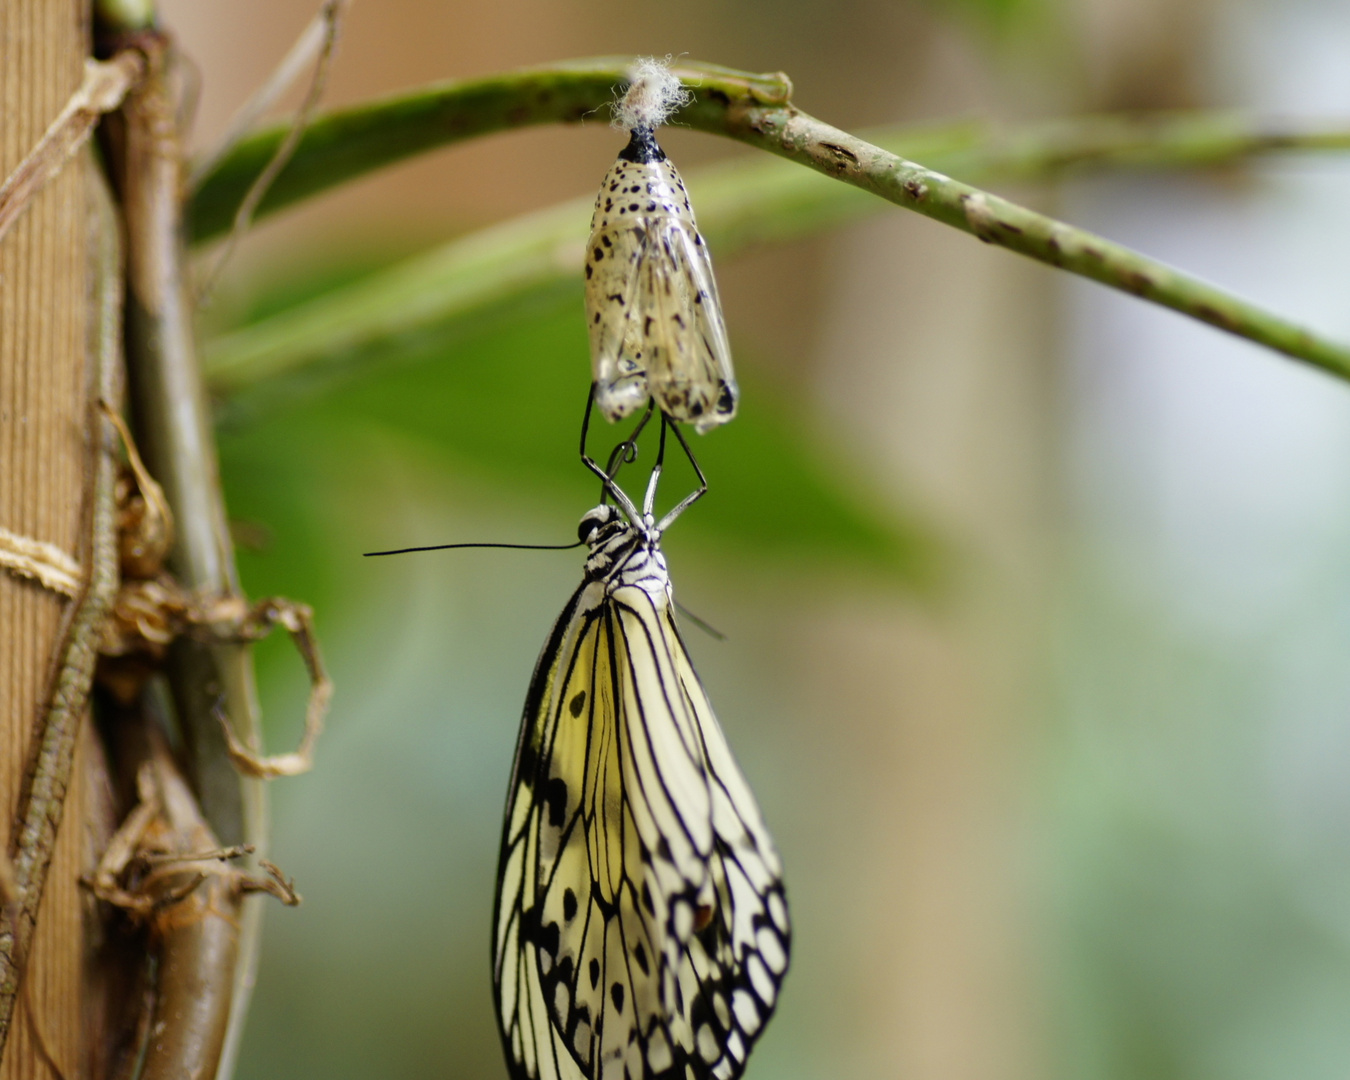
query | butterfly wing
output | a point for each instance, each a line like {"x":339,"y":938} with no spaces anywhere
{"x":730,"y":964}
{"x":640,"y":926}
{"x":535,"y":1046}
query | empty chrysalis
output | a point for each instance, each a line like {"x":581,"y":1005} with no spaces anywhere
{"x":651,"y":301}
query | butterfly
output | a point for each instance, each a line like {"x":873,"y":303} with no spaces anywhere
{"x":641,"y":926}
{"x":655,"y":320}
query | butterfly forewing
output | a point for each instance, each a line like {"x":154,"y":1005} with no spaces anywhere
{"x":640,"y":929}
{"x":655,"y":320}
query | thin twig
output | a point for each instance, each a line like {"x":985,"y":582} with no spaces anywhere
{"x":790,"y":133}
{"x":329,"y":22}
{"x":317,"y":36}
{"x":104,"y":86}
{"x":39,"y":816}
{"x":300,"y":351}
{"x":343,"y":144}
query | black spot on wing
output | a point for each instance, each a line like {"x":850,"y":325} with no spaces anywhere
{"x":555,"y":795}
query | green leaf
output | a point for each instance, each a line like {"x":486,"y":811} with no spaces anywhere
{"x":504,"y":407}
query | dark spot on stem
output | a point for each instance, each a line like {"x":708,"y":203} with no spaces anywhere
{"x":1216,"y":317}
{"x":842,"y":154}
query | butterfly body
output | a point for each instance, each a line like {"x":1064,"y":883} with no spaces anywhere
{"x":641,"y":927}
{"x":655,"y":320}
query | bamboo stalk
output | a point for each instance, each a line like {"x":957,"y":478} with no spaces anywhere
{"x":44,"y":462}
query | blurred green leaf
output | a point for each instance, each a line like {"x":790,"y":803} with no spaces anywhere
{"x":504,"y":408}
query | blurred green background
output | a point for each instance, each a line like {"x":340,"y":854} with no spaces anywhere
{"x":1037,"y":599}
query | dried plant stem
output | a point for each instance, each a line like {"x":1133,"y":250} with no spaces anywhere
{"x":43,"y":803}
{"x":327,"y":24}
{"x":173,"y":429}
{"x":104,"y":86}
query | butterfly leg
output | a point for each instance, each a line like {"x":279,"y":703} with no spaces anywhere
{"x":693,"y":496}
{"x":625,"y":452}
{"x":649,"y":500}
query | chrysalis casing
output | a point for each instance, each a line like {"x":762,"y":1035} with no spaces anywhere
{"x":655,"y":320}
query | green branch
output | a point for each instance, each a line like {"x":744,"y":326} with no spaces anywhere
{"x":792,"y":134}
{"x":347,"y":143}
{"x":755,"y":110}
{"x":351,"y":142}
{"x":740,"y":204}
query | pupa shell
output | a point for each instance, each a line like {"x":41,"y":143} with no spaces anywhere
{"x":655,"y":321}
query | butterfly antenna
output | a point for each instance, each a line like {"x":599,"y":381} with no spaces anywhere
{"x":449,"y":547}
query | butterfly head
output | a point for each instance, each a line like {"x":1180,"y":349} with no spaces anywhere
{"x":597,"y":525}
{"x":612,"y":539}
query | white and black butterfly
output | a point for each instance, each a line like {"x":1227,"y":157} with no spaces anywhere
{"x":655,"y":320}
{"x":641,"y":927}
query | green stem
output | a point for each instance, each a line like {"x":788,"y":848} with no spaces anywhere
{"x":757,"y":110}
{"x":350,"y":142}
{"x":740,"y":204}
{"x":792,"y":134}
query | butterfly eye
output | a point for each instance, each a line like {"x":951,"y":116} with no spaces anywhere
{"x":593,"y":519}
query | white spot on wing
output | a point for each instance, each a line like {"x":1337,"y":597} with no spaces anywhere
{"x":759,"y":979}
{"x":747,"y":1012}
{"x":772,"y":950}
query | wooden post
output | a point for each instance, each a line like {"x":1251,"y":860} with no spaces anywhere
{"x":45,"y":288}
